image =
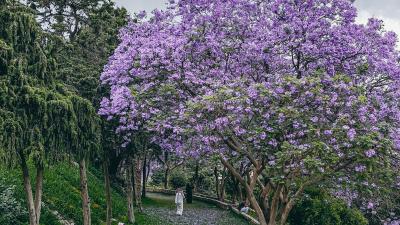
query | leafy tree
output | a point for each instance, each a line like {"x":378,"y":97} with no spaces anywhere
{"x":38,"y":118}
{"x":88,"y":30}
{"x":65,"y":18}
{"x":294,"y":90}
{"x":178,"y":180}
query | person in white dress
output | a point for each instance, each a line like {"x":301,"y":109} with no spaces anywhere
{"x":179,"y":201}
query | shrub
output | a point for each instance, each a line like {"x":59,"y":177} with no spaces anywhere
{"x":319,"y":208}
{"x":178,"y":179}
{"x":11,"y":209}
{"x":157,"y":178}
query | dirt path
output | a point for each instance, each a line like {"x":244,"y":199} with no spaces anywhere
{"x":198,"y":213}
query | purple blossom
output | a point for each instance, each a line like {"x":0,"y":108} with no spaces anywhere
{"x":360,"y":168}
{"x":273,"y":143}
{"x":201,"y":72}
{"x":370,"y":205}
{"x":370,"y":153}
{"x":351,"y":134}
{"x":314,"y":119}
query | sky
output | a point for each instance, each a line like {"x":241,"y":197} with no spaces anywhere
{"x":387,"y":10}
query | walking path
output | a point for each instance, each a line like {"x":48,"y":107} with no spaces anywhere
{"x":198,"y":213}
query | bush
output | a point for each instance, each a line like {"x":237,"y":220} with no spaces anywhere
{"x":319,"y":208}
{"x":178,"y":180}
{"x":11,"y":209}
{"x":157,"y":178}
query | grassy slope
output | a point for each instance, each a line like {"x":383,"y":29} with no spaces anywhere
{"x":61,"y":193}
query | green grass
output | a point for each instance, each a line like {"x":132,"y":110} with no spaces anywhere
{"x":163,"y":200}
{"x":61,"y":193}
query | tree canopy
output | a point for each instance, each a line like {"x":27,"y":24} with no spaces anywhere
{"x":295,"y":89}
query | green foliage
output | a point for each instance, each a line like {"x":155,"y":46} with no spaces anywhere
{"x":61,"y":193}
{"x":178,"y":179}
{"x":157,"y":178}
{"x":10,"y":208}
{"x":10,"y":180}
{"x":319,"y":208}
{"x":41,"y":121}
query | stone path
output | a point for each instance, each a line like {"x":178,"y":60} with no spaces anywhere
{"x":198,"y":213}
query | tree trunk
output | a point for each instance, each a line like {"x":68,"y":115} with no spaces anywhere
{"x":249,"y":191}
{"x":235,"y":196}
{"x":216,"y":182}
{"x":28,"y":192}
{"x":129,"y":191}
{"x":133,"y":182}
{"x":222,"y":191}
{"x":256,"y":207}
{"x":108,"y":192}
{"x":240,"y":191}
{"x":84,"y":193}
{"x":144,"y":177}
{"x":196,"y":177}
{"x":138,"y":183}
{"x":38,"y":192}
{"x":166,"y":174}
{"x":222,"y":187}
{"x":286,"y":212}
{"x":274,"y":206}
{"x":148,"y":169}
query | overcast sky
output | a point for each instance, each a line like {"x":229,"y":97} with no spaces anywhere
{"x":388,"y":10}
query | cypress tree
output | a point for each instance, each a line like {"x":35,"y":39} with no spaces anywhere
{"x":89,"y":31}
{"x":37,"y":120}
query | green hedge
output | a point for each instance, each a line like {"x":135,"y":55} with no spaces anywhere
{"x":319,"y":208}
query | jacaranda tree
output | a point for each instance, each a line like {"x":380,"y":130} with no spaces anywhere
{"x":294,"y":89}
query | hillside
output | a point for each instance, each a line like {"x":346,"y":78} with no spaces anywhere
{"x":61,"y":194}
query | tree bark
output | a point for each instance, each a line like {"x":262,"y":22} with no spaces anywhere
{"x":38,"y":192}
{"x":107,"y":184}
{"x":256,"y":207}
{"x":285,"y":213}
{"x":288,"y":207}
{"x":28,"y":192}
{"x":84,"y":193}
{"x":129,"y":191}
{"x":222,"y":187}
{"x":148,"y":169}
{"x":249,"y":191}
{"x":138,"y":183}
{"x":144,"y":171}
{"x":196,"y":177}
{"x":166,"y":174}
{"x":235,"y":190}
{"x":239,"y":188}
{"x":274,"y":206}
{"x":216,"y":182}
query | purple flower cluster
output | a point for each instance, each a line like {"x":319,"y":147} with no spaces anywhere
{"x":299,"y":78}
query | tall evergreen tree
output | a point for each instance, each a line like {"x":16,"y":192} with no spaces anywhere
{"x":89,"y":29}
{"x":37,"y":117}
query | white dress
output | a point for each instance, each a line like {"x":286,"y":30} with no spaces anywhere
{"x":179,"y":203}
